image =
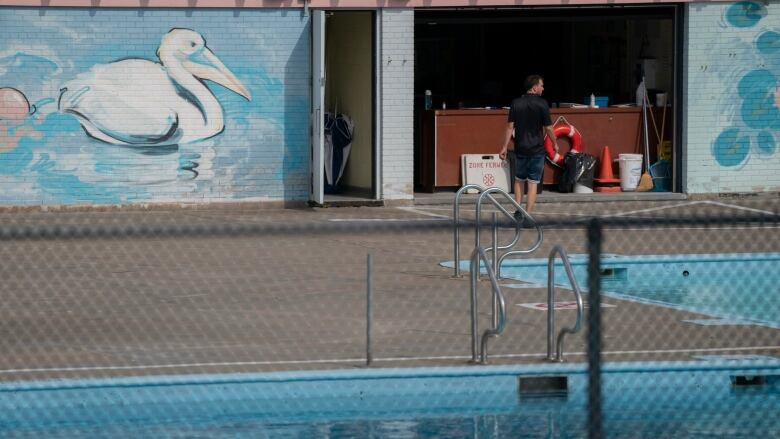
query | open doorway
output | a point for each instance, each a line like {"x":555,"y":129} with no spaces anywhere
{"x":348,"y":155}
{"x":471,"y":64}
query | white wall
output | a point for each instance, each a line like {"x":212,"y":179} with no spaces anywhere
{"x":397,"y":73}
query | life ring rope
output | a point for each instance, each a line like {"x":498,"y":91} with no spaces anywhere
{"x":564,"y":129}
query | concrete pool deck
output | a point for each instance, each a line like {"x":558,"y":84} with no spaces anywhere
{"x":159,"y":305}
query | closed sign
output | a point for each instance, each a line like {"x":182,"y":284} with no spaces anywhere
{"x":485,"y":170}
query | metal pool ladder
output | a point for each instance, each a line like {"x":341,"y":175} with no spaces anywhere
{"x":499,"y":308}
{"x":551,"y":340}
{"x":479,"y":255}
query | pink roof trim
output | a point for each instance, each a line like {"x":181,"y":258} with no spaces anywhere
{"x":330,"y":4}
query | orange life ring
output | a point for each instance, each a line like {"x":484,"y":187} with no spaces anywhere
{"x":569,"y":131}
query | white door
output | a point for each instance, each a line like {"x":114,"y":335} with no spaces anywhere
{"x":318,"y":102}
{"x":377,"y":105}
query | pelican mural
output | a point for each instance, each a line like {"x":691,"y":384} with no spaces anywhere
{"x":143,"y":103}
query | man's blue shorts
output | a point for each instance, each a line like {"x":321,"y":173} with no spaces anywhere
{"x":529,"y":168}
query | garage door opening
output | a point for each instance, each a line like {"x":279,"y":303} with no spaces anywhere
{"x":474,"y":61}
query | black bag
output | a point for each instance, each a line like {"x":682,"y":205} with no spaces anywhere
{"x":569,"y":176}
{"x":586,"y":168}
{"x":577,"y":168}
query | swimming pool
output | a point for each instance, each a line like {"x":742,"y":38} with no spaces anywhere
{"x":739,"y":287}
{"x":695,"y":399}
{"x":681,"y":400}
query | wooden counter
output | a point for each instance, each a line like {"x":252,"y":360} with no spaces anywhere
{"x":447,"y":134}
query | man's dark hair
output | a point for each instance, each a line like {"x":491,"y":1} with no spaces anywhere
{"x":532,"y":80}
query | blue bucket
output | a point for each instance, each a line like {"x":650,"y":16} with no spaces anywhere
{"x":661,"y":171}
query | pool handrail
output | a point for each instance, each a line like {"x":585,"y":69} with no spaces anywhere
{"x":480,"y":351}
{"x":551,"y":342}
{"x":456,"y":226}
{"x":487,"y":193}
{"x":456,"y":222}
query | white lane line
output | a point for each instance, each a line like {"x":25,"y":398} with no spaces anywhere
{"x":691,"y":203}
{"x":491,"y":209}
{"x":720,"y":322}
{"x":422,"y":212}
{"x":670,"y":227}
{"x":388,"y":359}
{"x":733,"y":206}
{"x":682,"y":351}
{"x":575,"y":229}
{"x":649,"y":209}
{"x":436,"y":208}
{"x":385,"y":220}
{"x":652,"y":209}
{"x":182,"y":365}
{"x":655,"y":209}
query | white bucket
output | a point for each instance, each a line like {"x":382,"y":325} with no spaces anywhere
{"x":630,"y":171}
{"x":660,"y":100}
{"x":582,"y":189}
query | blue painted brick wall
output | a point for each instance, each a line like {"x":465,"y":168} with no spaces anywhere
{"x":732,"y":126}
{"x":48,"y":158}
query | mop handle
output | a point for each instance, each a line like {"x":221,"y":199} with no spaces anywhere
{"x":644,"y":120}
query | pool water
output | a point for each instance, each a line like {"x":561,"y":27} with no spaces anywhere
{"x":742,"y":287}
{"x":653,"y":400}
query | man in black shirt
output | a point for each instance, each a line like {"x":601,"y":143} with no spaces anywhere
{"x":529,"y":119}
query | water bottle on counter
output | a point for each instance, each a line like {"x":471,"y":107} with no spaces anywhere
{"x":592,"y":101}
{"x":428,"y":99}
{"x":640,"y":93}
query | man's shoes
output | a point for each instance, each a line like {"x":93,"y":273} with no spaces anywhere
{"x":525,"y":222}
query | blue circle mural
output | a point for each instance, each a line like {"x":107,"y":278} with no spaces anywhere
{"x":756,"y":81}
{"x":768,"y":42}
{"x":759,"y":104}
{"x":759,"y":110}
{"x":766,"y":143}
{"x":745,"y":14}
{"x":731,"y":148}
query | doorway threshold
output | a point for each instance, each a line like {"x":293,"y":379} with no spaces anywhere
{"x":349,"y":200}
{"x":447,"y":196}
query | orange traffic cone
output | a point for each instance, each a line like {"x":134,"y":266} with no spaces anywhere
{"x":606,"y":181}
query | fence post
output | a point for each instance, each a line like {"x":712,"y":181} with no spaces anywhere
{"x":495,"y":267}
{"x":369,"y":305}
{"x":595,"y":430}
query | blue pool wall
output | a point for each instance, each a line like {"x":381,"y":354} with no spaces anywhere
{"x":346,"y":394}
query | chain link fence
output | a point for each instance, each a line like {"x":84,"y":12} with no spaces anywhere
{"x":275,"y":324}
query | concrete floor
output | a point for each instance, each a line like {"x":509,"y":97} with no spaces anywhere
{"x":267,"y":301}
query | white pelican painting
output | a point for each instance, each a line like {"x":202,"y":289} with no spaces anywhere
{"x":139,"y":102}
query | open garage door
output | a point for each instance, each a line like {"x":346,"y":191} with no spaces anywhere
{"x":474,"y":61}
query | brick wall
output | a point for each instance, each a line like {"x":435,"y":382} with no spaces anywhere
{"x":397,"y":64}
{"x":732,"y":121}
{"x":147,"y":143}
